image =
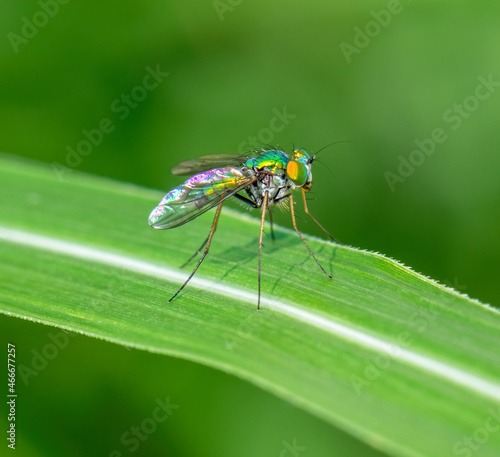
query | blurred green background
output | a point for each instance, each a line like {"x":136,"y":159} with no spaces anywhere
{"x":240,"y":74}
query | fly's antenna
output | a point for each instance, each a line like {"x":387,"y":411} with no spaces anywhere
{"x":313,"y":158}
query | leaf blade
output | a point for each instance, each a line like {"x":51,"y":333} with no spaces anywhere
{"x":366,"y":308}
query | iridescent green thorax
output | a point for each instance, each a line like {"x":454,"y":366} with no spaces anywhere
{"x":272,"y":159}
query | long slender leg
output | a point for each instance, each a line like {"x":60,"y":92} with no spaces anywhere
{"x":314,"y":219}
{"x":302,"y":238}
{"x":207,"y":248}
{"x":262,"y":220}
{"x":196,"y":253}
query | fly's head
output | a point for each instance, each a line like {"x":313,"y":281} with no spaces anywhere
{"x":299,"y":169}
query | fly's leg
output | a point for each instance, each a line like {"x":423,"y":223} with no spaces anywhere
{"x":254,"y":205}
{"x":314,"y":219}
{"x":196,"y":253}
{"x":246,"y":200}
{"x":302,"y":237}
{"x":207,"y":248}
{"x":262,"y":220}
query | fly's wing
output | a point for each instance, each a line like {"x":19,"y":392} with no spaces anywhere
{"x":199,"y":194}
{"x":204,"y":163}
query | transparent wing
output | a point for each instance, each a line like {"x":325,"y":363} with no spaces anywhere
{"x":204,"y":163}
{"x":199,"y":194}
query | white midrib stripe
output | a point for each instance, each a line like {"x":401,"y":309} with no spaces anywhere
{"x":373,"y":343}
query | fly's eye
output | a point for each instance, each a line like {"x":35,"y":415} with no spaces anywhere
{"x":297,"y":172}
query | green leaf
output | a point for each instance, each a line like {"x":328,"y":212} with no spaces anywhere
{"x":403,"y":363}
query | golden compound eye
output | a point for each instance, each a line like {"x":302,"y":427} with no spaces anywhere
{"x":297,"y":172}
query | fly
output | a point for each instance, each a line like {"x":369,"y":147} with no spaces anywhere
{"x":261,"y":180}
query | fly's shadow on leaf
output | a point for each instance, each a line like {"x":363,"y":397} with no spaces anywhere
{"x":327,"y":265}
{"x":270,"y":248}
{"x":238,"y":257}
